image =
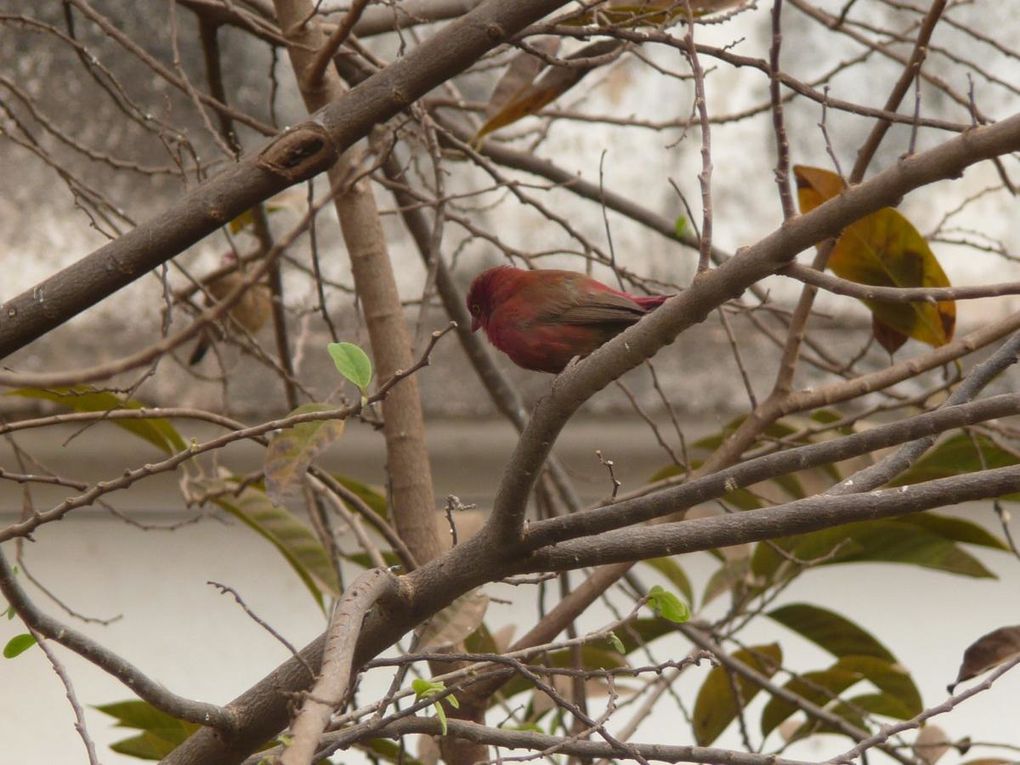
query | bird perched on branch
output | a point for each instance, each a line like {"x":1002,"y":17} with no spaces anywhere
{"x":250,"y":311}
{"x":542,"y":319}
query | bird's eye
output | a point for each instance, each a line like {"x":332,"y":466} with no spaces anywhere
{"x":475,"y":309}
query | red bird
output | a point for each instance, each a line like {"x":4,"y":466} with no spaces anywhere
{"x":543,"y":319}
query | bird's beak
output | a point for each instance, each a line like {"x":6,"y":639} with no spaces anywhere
{"x":476,"y":323}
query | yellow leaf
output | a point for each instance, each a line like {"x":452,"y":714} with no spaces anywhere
{"x":884,"y":249}
{"x":815,"y":186}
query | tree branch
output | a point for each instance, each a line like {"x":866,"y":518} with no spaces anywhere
{"x":712,"y":288}
{"x":290,"y":158}
{"x":800,"y":517}
{"x":147,"y":689}
{"x":334,"y":680}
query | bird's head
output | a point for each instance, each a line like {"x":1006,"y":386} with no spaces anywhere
{"x":481,"y":295}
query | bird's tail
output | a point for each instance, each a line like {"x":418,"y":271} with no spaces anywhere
{"x":650,"y":302}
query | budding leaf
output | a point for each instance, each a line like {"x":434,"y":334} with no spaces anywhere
{"x":352,"y":362}
{"x":18,"y":644}
{"x":424,"y":688}
{"x":614,"y":639}
{"x":668,"y":606}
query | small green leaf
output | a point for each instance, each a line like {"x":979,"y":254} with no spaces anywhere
{"x":441,"y":715}
{"x":679,"y":227}
{"x":352,"y":362}
{"x":18,"y":644}
{"x":667,"y":605}
{"x":10,"y":612}
{"x":614,"y":639}
{"x":424,"y":688}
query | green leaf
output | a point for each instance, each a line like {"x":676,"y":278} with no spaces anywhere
{"x":955,"y":529}
{"x":670,"y":569}
{"x":883,"y":704}
{"x":18,"y":645}
{"x":292,"y":450}
{"x":372,"y":496}
{"x":161,"y":733}
{"x":819,"y":687}
{"x":423,"y":687}
{"x":390,"y":751}
{"x":441,"y":715}
{"x":958,"y":455}
{"x":889,"y":677}
{"x":888,"y":541}
{"x":898,"y":697}
{"x":836,"y":634}
{"x":668,"y":606}
{"x":144,"y":746}
{"x":716,"y":707}
{"x":289,"y":535}
{"x":679,"y":227}
{"x":82,"y":398}
{"x":353,"y":363}
{"x":615,"y":641}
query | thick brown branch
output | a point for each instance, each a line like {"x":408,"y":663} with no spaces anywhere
{"x":799,"y":517}
{"x":589,"y":523}
{"x":219,"y":200}
{"x":338,"y":655}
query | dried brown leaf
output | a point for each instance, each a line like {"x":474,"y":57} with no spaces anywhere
{"x":988,"y":652}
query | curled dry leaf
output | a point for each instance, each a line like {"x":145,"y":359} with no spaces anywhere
{"x":455,"y":622}
{"x":293,"y":449}
{"x":931,"y":743}
{"x":542,"y":90}
{"x":520,"y":74}
{"x":987,"y":652}
{"x":503,"y":636}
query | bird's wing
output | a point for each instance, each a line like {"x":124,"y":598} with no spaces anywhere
{"x":598,"y":308}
